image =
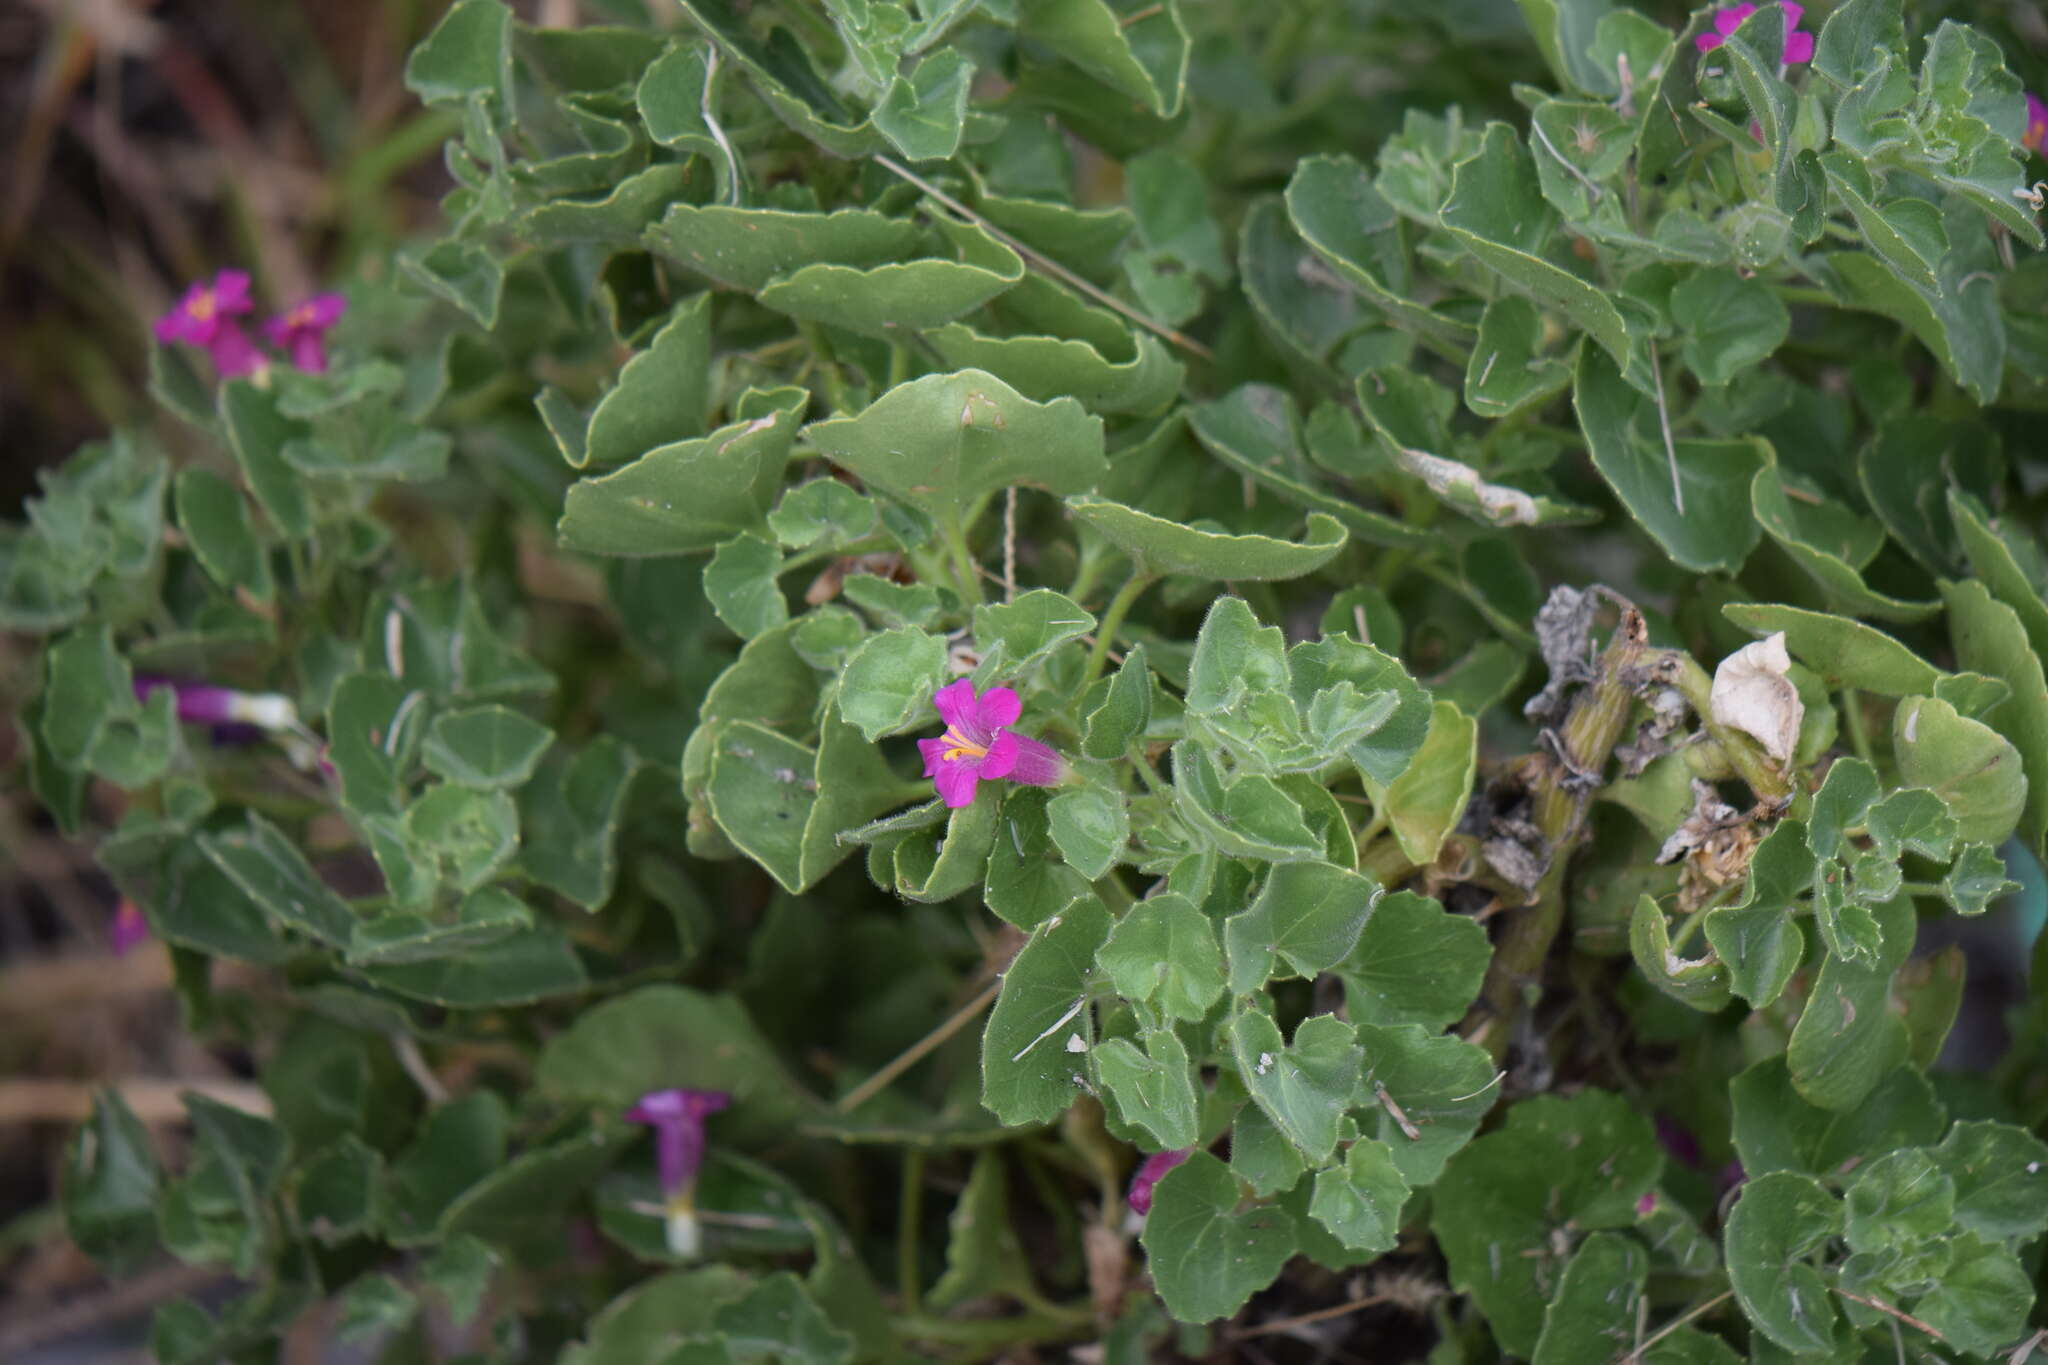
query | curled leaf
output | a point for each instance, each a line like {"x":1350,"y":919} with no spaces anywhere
{"x":1752,"y":694}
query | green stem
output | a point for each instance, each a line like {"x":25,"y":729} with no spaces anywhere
{"x":908,"y":1229}
{"x":965,"y":576}
{"x":1922,"y":889}
{"x":1588,"y":737}
{"x":1112,"y":621}
{"x":1858,"y":727}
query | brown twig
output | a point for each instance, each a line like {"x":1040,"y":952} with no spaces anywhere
{"x":1898,"y":1313}
{"x":916,"y":1052}
{"x":154,"y":1100}
{"x":20,"y":1335}
{"x":1681,"y":1320}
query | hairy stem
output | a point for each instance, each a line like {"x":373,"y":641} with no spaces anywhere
{"x":1112,"y":621}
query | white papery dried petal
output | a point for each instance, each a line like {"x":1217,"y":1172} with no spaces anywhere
{"x":1752,"y":694}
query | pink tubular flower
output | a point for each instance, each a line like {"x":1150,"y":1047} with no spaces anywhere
{"x":2035,"y":139}
{"x":301,"y":331}
{"x":205,"y":318}
{"x":979,"y":743}
{"x":1798,"y":46}
{"x":128,"y":929}
{"x":1155,"y":1168}
{"x":677,"y":1118}
{"x":205,"y":704}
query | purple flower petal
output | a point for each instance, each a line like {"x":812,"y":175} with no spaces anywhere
{"x":998,"y":709}
{"x":1798,"y":48}
{"x":934,"y":751}
{"x":231,"y":292}
{"x":128,"y":928}
{"x":956,"y":706}
{"x":1149,"y":1174}
{"x":1707,"y":42}
{"x":677,"y":1117}
{"x":1037,"y":763}
{"x":1793,"y":14}
{"x":2036,"y":136}
{"x":955,"y":781}
{"x":233,"y":353}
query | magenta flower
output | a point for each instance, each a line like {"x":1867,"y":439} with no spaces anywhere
{"x":205,"y":704}
{"x":979,"y":743}
{"x":205,"y":318}
{"x":677,"y":1118}
{"x":1798,"y":46}
{"x":1154,"y":1169}
{"x":128,"y":929}
{"x":301,"y":331}
{"x":2035,"y":139}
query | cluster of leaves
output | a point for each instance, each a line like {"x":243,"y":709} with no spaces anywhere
{"x":1063,"y":346}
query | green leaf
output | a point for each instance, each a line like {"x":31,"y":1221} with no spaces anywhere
{"x":656,"y":1037}
{"x":2000,"y":1174}
{"x":1385,"y":753}
{"x":1164,"y":546}
{"x":485,"y":746}
{"x":110,"y":1185}
{"x":984,"y":1255}
{"x":533,"y":1190}
{"x":1508,"y":370}
{"x":466,"y":54}
{"x":1831,"y":544}
{"x":1992,"y":638}
{"x":1125,"y":708}
{"x":1414,"y":964}
{"x":1425,"y":803}
{"x":904,"y":296}
{"x":1502,"y":1202}
{"x":216,"y":524}
{"x":371,"y":1306}
{"x":516,"y":969}
{"x":1847,"y":1038}
{"x":569,"y":816}
{"x":1091,"y":828}
{"x":1905,"y":232}
{"x":740,"y":584}
{"x":484,"y":917}
{"x":460,"y":273}
{"x":1777,"y":1129}
{"x":1163,"y":950}
{"x":889,"y":681}
{"x":922,"y":113}
{"x":662,"y":395}
{"x":334,"y":1192}
{"x":1026,"y":884}
{"x":691,"y":495}
{"x":269,"y":868}
{"x":942,"y":443}
{"x":1727,"y":323}
{"x":1856,"y":38}
{"x":1029,"y":1075}
{"x":1304,"y":1086}
{"x":1899,"y":1199}
{"x":1712,"y":530}
{"x":1360,"y":1200}
{"x":1977,"y":879}
{"x":1334,"y":205}
{"x":1960,"y":323}
{"x":1596,"y":1301}
{"x":467,"y":832}
{"x":1780,"y":1219}
{"x":1207,"y":1258}
{"x":1965,"y":762}
{"x":1110,"y":368}
{"x":747,"y":248}
{"x":1235,"y":655}
{"x":1441,"y":1086}
{"x":1843,"y":652}
{"x":822,"y":512}
{"x":1142,"y":54}
{"x":1153,"y":1089}
{"x":1308,"y":916}
{"x":1702,"y":983}
{"x":1982,"y":1300}
{"x":1030,"y":629}
{"x":1496,"y":210}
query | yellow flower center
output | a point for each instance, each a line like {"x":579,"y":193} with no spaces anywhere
{"x":958,"y":747}
{"x":202,"y":306}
